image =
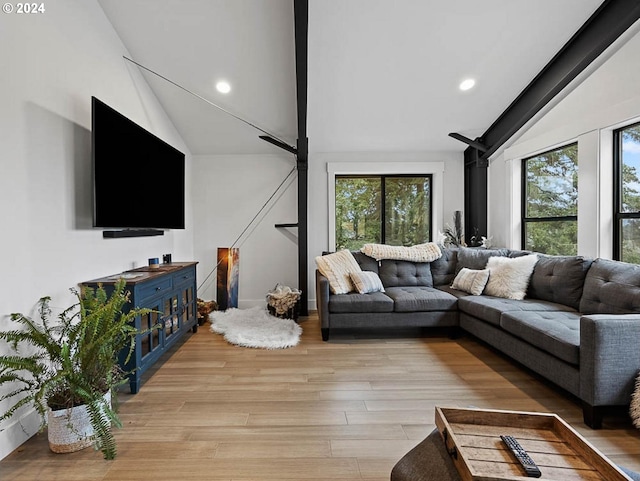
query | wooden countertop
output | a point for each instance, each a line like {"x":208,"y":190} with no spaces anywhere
{"x":142,"y":274}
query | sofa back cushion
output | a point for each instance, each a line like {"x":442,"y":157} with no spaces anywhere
{"x":611,"y":287}
{"x":476,"y":259}
{"x":366,"y":263}
{"x":559,"y":279}
{"x":443,"y":270}
{"x":404,"y":274}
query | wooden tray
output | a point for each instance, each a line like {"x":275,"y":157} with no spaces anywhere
{"x":472,"y":438}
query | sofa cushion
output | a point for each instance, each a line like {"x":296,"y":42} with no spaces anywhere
{"x":443,"y":270}
{"x":454,"y":292}
{"x":611,"y":287}
{"x":559,"y":279}
{"x":477,"y":258}
{"x":557,"y":333}
{"x":519,"y":253}
{"x":421,"y":299}
{"x":490,"y":309}
{"x":354,"y":302}
{"x":337,"y":268}
{"x":509,"y":276}
{"x":403,"y":273}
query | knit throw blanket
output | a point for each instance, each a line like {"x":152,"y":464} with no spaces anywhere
{"x":428,"y":252}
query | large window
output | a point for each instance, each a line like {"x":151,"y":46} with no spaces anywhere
{"x":550,"y":202}
{"x":627,"y":194}
{"x":388,"y":209}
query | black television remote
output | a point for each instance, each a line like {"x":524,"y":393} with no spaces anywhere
{"x":521,"y":455}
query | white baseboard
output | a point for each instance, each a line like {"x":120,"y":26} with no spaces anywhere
{"x":16,"y":433}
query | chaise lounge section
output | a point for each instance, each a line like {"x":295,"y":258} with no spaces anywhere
{"x":578,"y":324}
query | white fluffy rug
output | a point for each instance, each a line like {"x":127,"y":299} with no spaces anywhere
{"x":255,"y":327}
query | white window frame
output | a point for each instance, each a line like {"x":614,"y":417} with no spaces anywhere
{"x":435,"y":169}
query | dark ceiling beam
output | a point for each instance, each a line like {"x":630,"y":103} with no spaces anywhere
{"x":612,"y":19}
{"x":473,"y":143}
{"x":606,"y":24}
{"x":278,"y":143}
{"x":301,"y":19}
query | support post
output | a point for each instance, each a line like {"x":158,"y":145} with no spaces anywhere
{"x":475,"y":188}
{"x":301,"y":18}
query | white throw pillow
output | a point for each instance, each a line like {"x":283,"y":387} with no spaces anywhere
{"x":509,"y":276}
{"x":337,"y":268}
{"x":366,"y":282}
{"x":471,"y":280}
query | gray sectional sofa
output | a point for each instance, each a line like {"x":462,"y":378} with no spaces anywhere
{"x":578,"y":326}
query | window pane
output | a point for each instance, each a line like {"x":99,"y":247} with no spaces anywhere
{"x":358,"y":201}
{"x":407,"y":210}
{"x":630,"y":239}
{"x":552,"y":237}
{"x":630,"y":157}
{"x":552,"y":183}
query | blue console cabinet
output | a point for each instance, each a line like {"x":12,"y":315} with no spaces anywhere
{"x":170,"y":292}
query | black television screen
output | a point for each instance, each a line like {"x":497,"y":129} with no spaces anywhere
{"x":138,"y":179}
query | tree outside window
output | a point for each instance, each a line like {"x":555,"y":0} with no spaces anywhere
{"x":627,"y":194}
{"x":389,"y":209}
{"x":550,"y":202}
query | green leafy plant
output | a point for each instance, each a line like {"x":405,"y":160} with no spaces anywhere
{"x":74,"y":361}
{"x":454,"y":235}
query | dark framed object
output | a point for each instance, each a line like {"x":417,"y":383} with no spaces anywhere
{"x":549,"y":201}
{"x":393,"y":209}
{"x":626,"y":194}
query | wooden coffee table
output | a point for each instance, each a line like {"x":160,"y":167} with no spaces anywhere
{"x":472,"y":439}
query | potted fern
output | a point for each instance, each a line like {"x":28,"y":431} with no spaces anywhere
{"x":68,"y":369}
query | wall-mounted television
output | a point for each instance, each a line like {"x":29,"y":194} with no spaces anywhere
{"x":138,"y":179}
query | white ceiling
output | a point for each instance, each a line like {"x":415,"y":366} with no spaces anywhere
{"x":383,"y":75}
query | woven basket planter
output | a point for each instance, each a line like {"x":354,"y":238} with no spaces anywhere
{"x":284,"y":302}
{"x":70,"y":430}
{"x":291,"y":313}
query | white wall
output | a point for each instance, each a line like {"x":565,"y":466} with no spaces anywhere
{"x":366,"y":110}
{"x":52,"y":63}
{"x":228,"y":192}
{"x":605,"y":100}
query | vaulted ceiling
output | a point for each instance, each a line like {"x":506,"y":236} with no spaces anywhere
{"x":383,"y":75}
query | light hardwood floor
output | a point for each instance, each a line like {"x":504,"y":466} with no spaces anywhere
{"x":348,"y":409}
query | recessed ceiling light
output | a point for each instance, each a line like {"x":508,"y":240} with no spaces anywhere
{"x":467,"y":84}
{"x":223,"y":87}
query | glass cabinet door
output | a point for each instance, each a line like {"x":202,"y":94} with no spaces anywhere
{"x":171,"y":316}
{"x":188,"y":305}
{"x":150,"y":340}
